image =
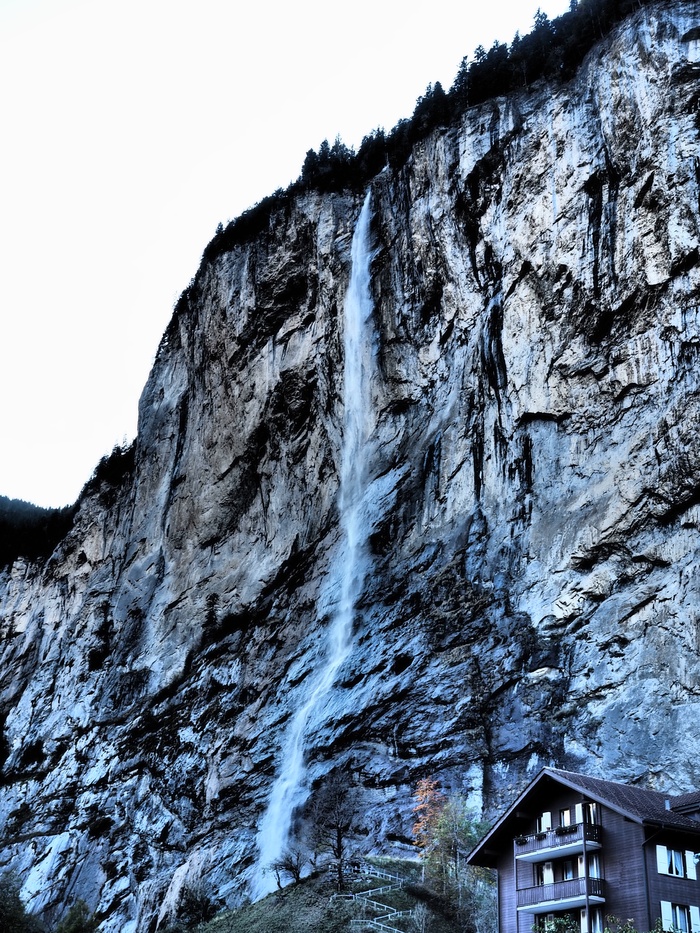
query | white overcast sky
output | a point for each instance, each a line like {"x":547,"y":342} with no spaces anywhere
{"x":129,"y":129}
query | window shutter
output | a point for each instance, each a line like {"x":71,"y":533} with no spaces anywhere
{"x":666,"y":915}
{"x":661,"y":860}
{"x":545,"y":821}
{"x":690,"y":866}
{"x":548,"y":873}
{"x":579,"y":812}
{"x":695,"y":919}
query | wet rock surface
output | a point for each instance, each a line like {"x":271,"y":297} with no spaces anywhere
{"x":534,"y":510}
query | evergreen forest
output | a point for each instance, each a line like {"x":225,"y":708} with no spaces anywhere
{"x":552,"y":51}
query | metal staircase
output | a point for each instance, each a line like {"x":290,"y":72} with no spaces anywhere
{"x":385,"y":914}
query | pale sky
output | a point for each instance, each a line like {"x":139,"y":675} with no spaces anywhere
{"x":129,"y":129}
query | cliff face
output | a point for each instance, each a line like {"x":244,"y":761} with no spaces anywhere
{"x":533,"y":507}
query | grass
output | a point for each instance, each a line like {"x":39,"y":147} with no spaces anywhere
{"x":310,"y":907}
{"x":300,"y":908}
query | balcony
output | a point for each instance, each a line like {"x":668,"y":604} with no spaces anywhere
{"x":564,"y":840}
{"x":562,"y":895}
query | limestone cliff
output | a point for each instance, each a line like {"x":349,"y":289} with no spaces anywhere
{"x":535,"y":506}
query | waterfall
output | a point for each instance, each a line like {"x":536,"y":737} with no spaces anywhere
{"x":289,"y":790}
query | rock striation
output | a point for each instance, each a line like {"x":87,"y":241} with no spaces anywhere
{"x":534,"y":507}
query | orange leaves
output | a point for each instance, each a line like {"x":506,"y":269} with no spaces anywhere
{"x":430,"y":802}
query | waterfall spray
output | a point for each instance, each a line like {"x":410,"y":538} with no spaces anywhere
{"x":289,"y":790}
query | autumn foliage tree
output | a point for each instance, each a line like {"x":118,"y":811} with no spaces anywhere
{"x":446,"y":831}
{"x":429,"y":804}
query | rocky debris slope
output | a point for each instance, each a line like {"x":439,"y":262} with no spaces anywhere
{"x":534,"y":506}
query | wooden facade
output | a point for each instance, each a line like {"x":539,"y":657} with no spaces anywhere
{"x":589,"y":849}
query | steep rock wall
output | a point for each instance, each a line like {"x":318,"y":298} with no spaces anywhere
{"x":534,"y":503}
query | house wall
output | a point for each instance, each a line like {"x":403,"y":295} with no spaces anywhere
{"x":507,"y":913}
{"x":623,"y":856}
{"x":667,"y":888}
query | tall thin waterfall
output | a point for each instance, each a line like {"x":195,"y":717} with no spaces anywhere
{"x":289,"y":790}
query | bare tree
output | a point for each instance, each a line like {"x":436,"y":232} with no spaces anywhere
{"x":291,"y":863}
{"x":331,"y":814}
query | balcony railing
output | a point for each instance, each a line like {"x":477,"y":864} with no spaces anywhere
{"x":575,"y":889}
{"x":563,"y":836}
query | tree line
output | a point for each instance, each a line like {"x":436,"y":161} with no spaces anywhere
{"x":33,"y":532}
{"x":552,"y":51}
{"x":30,"y":531}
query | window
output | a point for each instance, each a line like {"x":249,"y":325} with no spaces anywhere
{"x":544,"y":873}
{"x":565,"y":817}
{"x":586,"y":812}
{"x":593,"y":866}
{"x":544,"y":822}
{"x":568,"y":870}
{"x":676,"y":862}
{"x":590,"y":812}
{"x":596,"y":920}
{"x":683,"y":917}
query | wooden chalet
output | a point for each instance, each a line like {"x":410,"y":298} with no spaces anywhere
{"x":588,"y":848}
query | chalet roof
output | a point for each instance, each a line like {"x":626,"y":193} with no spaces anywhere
{"x":646,"y":807}
{"x":642,"y":806}
{"x":686,"y":801}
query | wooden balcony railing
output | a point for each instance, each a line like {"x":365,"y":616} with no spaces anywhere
{"x":561,"y":891}
{"x":554,"y":838}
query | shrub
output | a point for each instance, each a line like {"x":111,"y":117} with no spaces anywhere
{"x":113,"y":468}
{"x":196,"y":905}
{"x":78,"y":920}
{"x":13,"y":914}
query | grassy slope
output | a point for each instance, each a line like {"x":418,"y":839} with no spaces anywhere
{"x":310,"y":906}
{"x":299,"y":908}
